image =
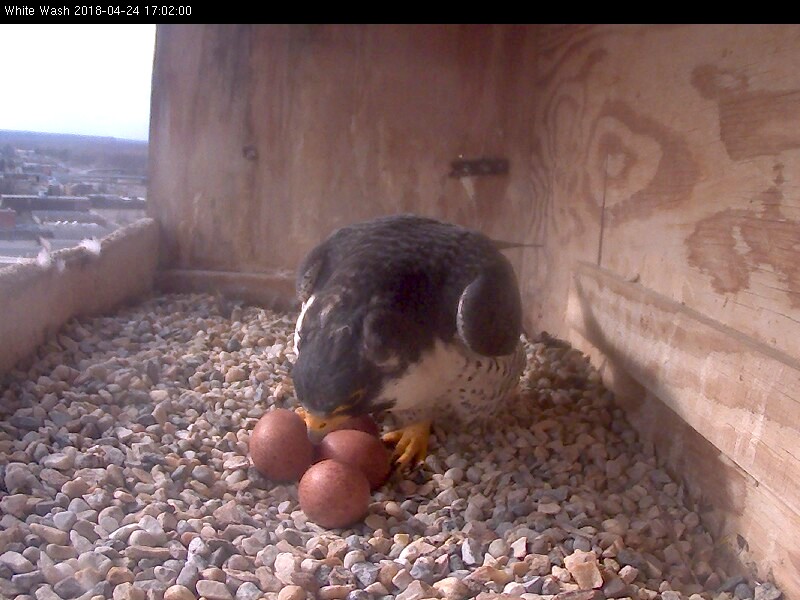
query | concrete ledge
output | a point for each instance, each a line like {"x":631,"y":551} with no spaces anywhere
{"x":36,"y":300}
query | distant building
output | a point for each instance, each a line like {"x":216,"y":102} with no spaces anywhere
{"x":82,"y":189}
{"x":115,"y":201}
{"x":20,"y":202}
{"x":112,"y":176}
{"x":37,"y":168}
{"x":19,"y":183}
{"x":55,"y":189}
{"x":8,"y":218}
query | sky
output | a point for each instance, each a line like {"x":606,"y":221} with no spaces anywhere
{"x":81,"y":79}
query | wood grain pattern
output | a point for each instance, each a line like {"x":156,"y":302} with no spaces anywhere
{"x":692,"y":151}
{"x":301,"y":129}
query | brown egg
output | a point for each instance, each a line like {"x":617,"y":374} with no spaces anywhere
{"x":334,"y":494}
{"x":279,"y":445}
{"x":363,"y":423}
{"x":362,"y":450}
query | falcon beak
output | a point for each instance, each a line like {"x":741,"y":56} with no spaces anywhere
{"x":318,"y":426}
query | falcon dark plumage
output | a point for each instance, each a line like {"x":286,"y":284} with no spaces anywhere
{"x":406,"y":314}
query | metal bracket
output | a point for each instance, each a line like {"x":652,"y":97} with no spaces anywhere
{"x":462,"y":167}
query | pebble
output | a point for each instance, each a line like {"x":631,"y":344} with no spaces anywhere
{"x":767,"y":591}
{"x":127,"y":591}
{"x":53,"y":573}
{"x":15,"y":505}
{"x":470,"y":552}
{"x":122,"y":533}
{"x":335,"y":592}
{"x":743,"y":592}
{"x":188,"y":575}
{"x":353,"y":557}
{"x":70,"y":587}
{"x":451,"y":588}
{"x":147,"y":552}
{"x":416,"y":590}
{"x":423,"y":569}
{"x":376,"y":589}
{"x":139,"y":537}
{"x":75,"y":488}
{"x":178,"y":592}
{"x":286,"y":564}
{"x":550,"y":586}
{"x":584,"y":569}
{"x":248,"y":591}
{"x":125,"y":472}
{"x":235,"y":374}
{"x":45,"y":592}
{"x":16,"y":562}
{"x":291,"y":592}
{"x":19,"y":478}
{"x":213,"y":590}
{"x":628,"y":573}
{"x":26,"y":581}
{"x":402,"y":579}
{"x":64,"y":520}
{"x":615,"y":587}
{"x":366,"y":573}
{"x":117,"y":575}
{"x":549,"y":508}
{"x":514,"y":588}
{"x":519,"y":548}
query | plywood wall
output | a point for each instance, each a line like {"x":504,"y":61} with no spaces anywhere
{"x":658,"y":166}
{"x":683,"y":144}
{"x":266,"y":138}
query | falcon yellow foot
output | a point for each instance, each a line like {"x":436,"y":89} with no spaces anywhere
{"x":411,"y":443}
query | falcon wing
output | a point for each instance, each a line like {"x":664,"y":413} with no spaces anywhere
{"x":308,"y":274}
{"x":489,"y":317}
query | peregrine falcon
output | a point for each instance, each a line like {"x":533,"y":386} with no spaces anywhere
{"x":409,"y":315}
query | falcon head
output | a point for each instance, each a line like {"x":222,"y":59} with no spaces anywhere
{"x":346,"y":353}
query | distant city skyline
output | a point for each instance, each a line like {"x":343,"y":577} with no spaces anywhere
{"x":78,"y":79}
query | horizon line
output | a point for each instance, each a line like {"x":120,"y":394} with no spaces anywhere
{"x":89,"y":135}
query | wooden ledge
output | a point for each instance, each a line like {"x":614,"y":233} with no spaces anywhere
{"x":740,"y":396}
{"x":272,"y":289}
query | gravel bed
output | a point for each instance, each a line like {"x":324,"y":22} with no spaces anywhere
{"x":125,"y":474}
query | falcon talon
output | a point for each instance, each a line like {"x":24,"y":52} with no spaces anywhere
{"x":411,"y":443}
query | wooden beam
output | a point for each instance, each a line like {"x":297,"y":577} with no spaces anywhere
{"x":739,"y":395}
{"x":272,"y":289}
